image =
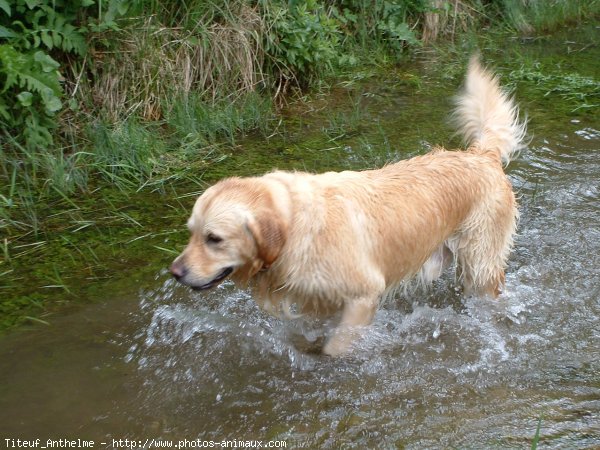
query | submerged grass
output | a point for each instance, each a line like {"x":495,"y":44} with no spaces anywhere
{"x":221,"y":121}
{"x":341,"y":124}
{"x":100,"y":238}
{"x":579,"y":92}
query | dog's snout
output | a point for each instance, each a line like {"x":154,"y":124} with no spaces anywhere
{"x":178,"y":270}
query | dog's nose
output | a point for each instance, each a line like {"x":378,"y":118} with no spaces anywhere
{"x":178,"y":270}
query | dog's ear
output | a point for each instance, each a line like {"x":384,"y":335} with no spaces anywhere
{"x":269,"y":235}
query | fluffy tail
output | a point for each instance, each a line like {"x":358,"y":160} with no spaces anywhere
{"x":487,"y":116}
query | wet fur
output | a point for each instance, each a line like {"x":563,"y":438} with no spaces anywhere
{"x":342,"y":241}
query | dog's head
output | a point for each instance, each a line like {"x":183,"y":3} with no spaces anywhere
{"x":236,"y":231}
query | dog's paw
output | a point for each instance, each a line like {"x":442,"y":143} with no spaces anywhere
{"x":340,"y":343}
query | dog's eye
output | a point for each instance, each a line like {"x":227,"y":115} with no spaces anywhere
{"x":213,"y":239}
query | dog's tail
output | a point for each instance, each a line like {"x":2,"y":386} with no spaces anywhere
{"x":487,"y":116}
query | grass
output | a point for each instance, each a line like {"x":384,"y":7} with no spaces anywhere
{"x":208,"y":48}
{"x":580,"y":92}
{"x":528,"y":16}
{"x":125,"y":154}
{"x":170,"y":85}
{"x":220,"y":121}
{"x":97,"y":239}
{"x":178,"y":79}
{"x":128,"y":155}
{"x":341,"y":124}
{"x":536,"y":438}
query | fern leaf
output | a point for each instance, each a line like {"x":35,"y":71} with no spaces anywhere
{"x":36,"y":72}
{"x":6,"y":33}
{"x":73,"y":40}
{"x":5,"y":7}
{"x":57,"y":39}
{"x":4,"y":111}
{"x":47,"y":40}
{"x":12,"y":62}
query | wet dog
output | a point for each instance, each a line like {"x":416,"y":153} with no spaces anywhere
{"x":343,"y":241}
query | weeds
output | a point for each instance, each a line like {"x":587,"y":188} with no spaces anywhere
{"x":527,"y":16}
{"x":582,"y":93}
{"x":343,"y":124}
{"x":148,"y":83}
{"x":204,"y":124}
{"x":150,"y":63}
{"x":125,"y":154}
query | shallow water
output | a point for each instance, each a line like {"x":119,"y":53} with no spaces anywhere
{"x":435,"y":370}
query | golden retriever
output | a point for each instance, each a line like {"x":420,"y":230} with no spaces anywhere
{"x":343,"y":241}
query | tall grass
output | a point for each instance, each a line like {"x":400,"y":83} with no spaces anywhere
{"x":221,"y":120}
{"x":203,"y":70}
{"x":178,"y":77}
{"x":206,"y":49}
{"x":526,"y":16}
{"x":126,"y":154}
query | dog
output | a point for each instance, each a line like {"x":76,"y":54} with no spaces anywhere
{"x":343,"y":241}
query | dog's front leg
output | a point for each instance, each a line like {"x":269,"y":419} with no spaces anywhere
{"x":356,"y":314}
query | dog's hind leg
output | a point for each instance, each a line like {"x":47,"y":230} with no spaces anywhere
{"x":484,"y":246}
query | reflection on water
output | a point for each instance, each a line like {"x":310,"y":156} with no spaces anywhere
{"x":435,"y":369}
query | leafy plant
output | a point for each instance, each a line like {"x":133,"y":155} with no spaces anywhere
{"x":382,"y":21}
{"x":37,"y":35}
{"x":393,"y":23}
{"x":34,"y":78}
{"x":302,"y":40}
{"x":38,"y":24}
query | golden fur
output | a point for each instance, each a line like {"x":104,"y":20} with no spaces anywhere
{"x":342,"y":241}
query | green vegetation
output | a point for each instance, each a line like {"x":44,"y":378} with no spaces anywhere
{"x":536,"y":438}
{"x":80,"y":77}
{"x":104,"y":103}
{"x":580,"y":92}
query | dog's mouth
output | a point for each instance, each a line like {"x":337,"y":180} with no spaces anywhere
{"x":220,"y":277}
